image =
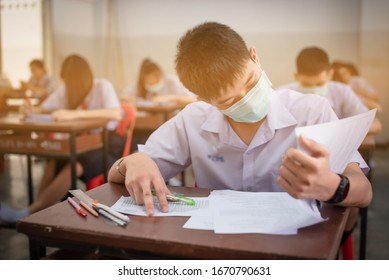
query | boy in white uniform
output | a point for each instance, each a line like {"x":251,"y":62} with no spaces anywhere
{"x":241,"y":135}
{"x":314,"y":75}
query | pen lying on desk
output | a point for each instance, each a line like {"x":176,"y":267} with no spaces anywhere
{"x":90,"y":209}
{"x":102,"y":209}
{"x":76,"y":207}
{"x":110,"y":216}
{"x":110,"y":211}
{"x":175,"y":197}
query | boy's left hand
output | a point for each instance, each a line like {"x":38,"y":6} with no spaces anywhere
{"x":308,"y":176}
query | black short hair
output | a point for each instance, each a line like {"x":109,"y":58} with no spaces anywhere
{"x":209,"y":58}
{"x":312,"y":61}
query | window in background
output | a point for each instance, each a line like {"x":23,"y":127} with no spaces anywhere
{"x":21,"y":37}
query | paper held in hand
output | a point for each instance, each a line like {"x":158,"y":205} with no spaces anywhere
{"x":342,"y":137}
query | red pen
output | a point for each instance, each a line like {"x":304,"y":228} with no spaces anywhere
{"x":77,"y":207}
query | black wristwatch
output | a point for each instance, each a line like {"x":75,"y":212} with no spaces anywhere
{"x":341,"y":191}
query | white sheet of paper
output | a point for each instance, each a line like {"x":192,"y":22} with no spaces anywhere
{"x":202,"y":222}
{"x":127,"y":205}
{"x":141,"y":148}
{"x":38,"y":118}
{"x":342,"y":137}
{"x":205,"y":222}
{"x":248,"y":212}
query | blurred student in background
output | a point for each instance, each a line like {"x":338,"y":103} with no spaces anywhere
{"x":313,"y":76}
{"x":80,"y":97}
{"x":40,"y":83}
{"x":348,"y":73}
{"x":154,"y":85}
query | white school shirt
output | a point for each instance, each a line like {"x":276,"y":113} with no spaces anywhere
{"x":200,"y":135}
{"x":101,"y":96}
{"x":172,"y":86}
{"x":47,"y":82}
{"x":342,"y":98}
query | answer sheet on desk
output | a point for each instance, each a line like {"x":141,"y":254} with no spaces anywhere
{"x":342,"y":137}
{"x":255,"y":212}
{"x":127,"y":205}
{"x":38,"y":118}
{"x":261,"y":212}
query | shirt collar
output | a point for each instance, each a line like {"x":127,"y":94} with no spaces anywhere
{"x":214,"y":120}
{"x":279,"y":116}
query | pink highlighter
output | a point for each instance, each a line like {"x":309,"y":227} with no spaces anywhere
{"x":77,"y":207}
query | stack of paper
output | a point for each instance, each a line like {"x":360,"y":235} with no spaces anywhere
{"x":259,"y":212}
{"x":238,"y":212}
{"x":127,"y":205}
{"x":38,"y":118}
{"x":342,"y":138}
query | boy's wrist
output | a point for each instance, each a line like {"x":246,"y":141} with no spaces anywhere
{"x":118,"y":167}
{"x":341,"y":190}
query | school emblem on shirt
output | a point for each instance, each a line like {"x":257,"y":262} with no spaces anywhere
{"x":216,"y":158}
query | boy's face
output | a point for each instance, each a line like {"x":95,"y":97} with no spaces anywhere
{"x":37,"y":72}
{"x":314,"y":80}
{"x":239,"y":89}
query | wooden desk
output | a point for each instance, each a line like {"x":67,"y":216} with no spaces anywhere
{"x":14,"y":98}
{"x":15,"y":138}
{"x":164,"y":237}
{"x":155,"y":115}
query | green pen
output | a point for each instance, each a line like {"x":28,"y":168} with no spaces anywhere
{"x":179,"y":198}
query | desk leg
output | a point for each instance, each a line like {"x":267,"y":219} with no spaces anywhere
{"x":366,"y":154}
{"x":73,"y":160}
{"x":37,"y":250}
{"x":105,"y":154}
{"x":363,"y":234}
{"x":29,"y":180}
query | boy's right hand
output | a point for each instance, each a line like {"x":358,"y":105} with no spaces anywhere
{"x":142,"y":176}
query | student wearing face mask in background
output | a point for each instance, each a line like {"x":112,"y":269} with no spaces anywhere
{"x":313,"y":76}
{"x":241,"y":135}
{"x":154,"y":85}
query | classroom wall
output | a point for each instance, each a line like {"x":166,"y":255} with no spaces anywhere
{"x":21,"y":40}
{"x":350,"y":30}
{"x":374,"y":54}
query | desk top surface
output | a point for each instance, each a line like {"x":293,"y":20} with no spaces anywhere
{"x":159,"y":108}
{"x":15,"y":122}
{"x":165,"y":235}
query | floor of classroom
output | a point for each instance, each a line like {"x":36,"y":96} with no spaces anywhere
{"x":13,"y":191}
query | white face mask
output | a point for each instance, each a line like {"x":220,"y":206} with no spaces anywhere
{"x":319,"y":90}
{"x":254,"y":106}
{"x":156,"y":88}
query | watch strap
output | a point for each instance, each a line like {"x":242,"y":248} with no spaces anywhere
{"x":341,"y":191}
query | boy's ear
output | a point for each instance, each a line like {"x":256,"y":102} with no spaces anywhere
{"x":253,"y":54}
